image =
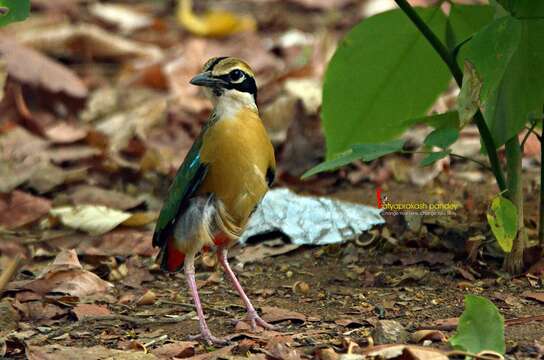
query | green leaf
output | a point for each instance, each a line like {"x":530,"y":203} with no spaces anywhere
{"x":436,"y":121}
{"x":13,"y":10}
{"x":503,"y":220}
{"x":442,"y":137}
{"x":468,"y":101}
{"x":481,"y":327}
{"x":371,"y":152}
{"x":434,"y":157}
{"x":524,"y":8}
{"x":365,"y":152}
{"x":508,"y":56}
{"x":382,"y":73}
{"x":466,"y":20}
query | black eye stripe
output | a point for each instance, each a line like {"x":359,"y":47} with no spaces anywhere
{"x":248,"y":85}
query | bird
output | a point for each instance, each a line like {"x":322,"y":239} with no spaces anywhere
{"x":223,"y":178}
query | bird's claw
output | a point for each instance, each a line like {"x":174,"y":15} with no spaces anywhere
{"x":209,"y":339}
{"x":255,"y":320}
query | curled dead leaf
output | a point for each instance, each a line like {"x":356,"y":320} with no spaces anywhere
{"x":39,"y":70}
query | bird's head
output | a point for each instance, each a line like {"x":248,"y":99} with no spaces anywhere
{"x":228,"y":79}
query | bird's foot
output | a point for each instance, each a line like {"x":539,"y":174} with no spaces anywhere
{"x":255,"y":320}
{"x":209,"y":339}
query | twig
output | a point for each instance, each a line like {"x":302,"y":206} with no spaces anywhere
{"x":130,"y":319}
{"x":192,"y":307}
{"x":450,"y":61}
{"x":10,"y":271}
{"x":529,"y":131}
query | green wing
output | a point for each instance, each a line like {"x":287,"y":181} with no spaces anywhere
{"x":187,"y":181}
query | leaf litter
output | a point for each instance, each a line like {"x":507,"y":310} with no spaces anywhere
{"x":104,"y":129}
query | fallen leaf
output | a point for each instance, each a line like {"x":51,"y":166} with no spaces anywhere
{"x":534,"y":295}
{"x":176,"y":349}
{"x":93,"y":195}
{"x":280,"y":350}
{"x":119,"y":242}
{"x":122,"y":126}
{"x":38,"y":310}
{"x":18,"y":209}
{"x":66,"y":275}
{"x":254,"y":253}
{"x":214,"y":23}
{"x":59,"y":352}
{"x":433,"y":335}
{"x":68,"y":39}
{"x":39,"y":70}
{"x":137,"y":273}
{"x":274,"y":314}
{"x":215,"y":355}
{"x":82,"y":311}
{"x":95,"y":220}
{"x":72,"y":153}
{"x":124,"y":17}
{"x":323,"y":4}
{"x":409,"y":352}
{"x":65,"y":133}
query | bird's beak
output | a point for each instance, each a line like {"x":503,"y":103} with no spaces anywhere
{"x":207,"y":79}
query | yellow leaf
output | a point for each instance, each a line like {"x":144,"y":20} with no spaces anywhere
{"x":215,"y":23}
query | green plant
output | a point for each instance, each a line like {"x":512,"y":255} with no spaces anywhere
{"x":374,"y":90}
{"x":481,"y":327}
{"x":13,"y":10}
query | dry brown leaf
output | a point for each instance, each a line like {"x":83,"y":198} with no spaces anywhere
{"x":65,"y":133}
{"x":137,"y":273}
{"x":58,"y":352}
{"x":122,"y":126}
{"x":82,"y":311}
{"x":433,"y":335}
{"x":534,"y":295}
{"x":215,"y":355}
{"x":253,"y":253}
{"x":323,"y":4}
{"x":405,"y":352}
{"x":39,"y":310}
{"x":94,"y":195}
{"x":177,"y":349}
{"x":125,"y":18}
{"x":18,"y":209}
{"x":72,"y":153}
{"x":33,"y":68}
{"x":122,"y":242}
{"x":79,"y":40}
{"x":274,"y":314}
{"x":66,"y":275}
{"x":280,"y":350}
{"x":214,"y":23}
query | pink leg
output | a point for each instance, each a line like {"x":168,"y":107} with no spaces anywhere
{"x":252,"y":316}
{"x":205,"y":333}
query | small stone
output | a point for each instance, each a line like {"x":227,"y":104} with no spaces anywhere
{"x":389,"y":332}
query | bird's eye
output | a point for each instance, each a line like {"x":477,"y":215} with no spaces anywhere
{"x":236,"y":75}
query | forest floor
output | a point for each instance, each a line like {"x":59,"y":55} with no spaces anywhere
{"x":321,"y":298}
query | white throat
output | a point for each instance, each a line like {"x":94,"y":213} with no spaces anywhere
{"x":231,"y":102}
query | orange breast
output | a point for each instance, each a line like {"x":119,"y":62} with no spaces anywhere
{"x":238,"y":153}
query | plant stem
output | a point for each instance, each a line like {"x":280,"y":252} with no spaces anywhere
{"x":450,"y":61}
{"x":513,"y":262}
{"x":541,"y":205}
